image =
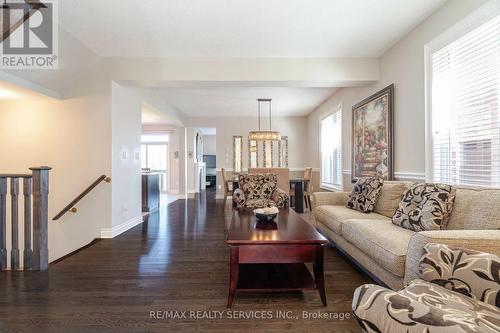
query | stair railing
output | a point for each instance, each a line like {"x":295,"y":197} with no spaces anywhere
{"x":71,"y":206}
{"x":35,"y":196}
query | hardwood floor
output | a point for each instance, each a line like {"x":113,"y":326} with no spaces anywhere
{"x":177,"y":261}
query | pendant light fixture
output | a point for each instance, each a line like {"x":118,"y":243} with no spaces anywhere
{"x":265,"y":135}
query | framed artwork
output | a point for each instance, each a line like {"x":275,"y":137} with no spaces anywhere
{"x":268,"y":154}
{"x":237,"y":153}
{"x":283,"y":152}
{"x":372,"y":133}
{"x":253,"y":154}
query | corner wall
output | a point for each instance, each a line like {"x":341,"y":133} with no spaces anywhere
{"x":403,"y":65}
{"x":126,"y":114}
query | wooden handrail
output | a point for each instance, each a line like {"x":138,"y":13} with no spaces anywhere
{"x":15,"y":175}
{"x":70,"y":206}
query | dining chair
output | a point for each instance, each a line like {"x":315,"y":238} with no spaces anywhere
{"x":227,"y":191}
{"x":308,"y":187}
{"x":307,"y":177}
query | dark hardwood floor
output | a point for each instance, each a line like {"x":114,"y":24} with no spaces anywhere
{"x":177,"y":261}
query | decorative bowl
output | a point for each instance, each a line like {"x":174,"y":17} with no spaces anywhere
{"x":267,"y":214}
{"x":266,"y":217}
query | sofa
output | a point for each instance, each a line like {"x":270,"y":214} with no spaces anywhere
{"x":389,"y":253}
{"x":258,"y":191}
{"x":457,"y":291}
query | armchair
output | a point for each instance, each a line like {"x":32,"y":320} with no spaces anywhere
{"x":457,"y":291}
{"x":259,"y":190}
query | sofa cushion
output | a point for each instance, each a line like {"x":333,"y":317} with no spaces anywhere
{"x":475,"y":209}
{"x":381,"y":240}
{"x":425,"y":207}
{"x":450,"y":305}
{"x":390,"y":196}
{"x":365,"y":194}
{"x":472,"y":273}
{"x":422,"y":307}
{"x":333,"y":216}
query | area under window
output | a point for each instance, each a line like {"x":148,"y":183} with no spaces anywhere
{"x":464,"y":108}
{"x":331,"y":151}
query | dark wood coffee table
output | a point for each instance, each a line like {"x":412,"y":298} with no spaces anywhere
{"x":267,"y":257}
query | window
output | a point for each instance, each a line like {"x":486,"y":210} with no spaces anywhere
{"x":465,"y":108}
{"x":331,"y":151}
{"x":154,"y":156}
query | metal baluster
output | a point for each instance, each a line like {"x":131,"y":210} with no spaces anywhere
{"x":14,"y":193}
{"x":28,"y":253}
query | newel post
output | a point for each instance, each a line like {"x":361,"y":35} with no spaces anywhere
{"x":3,"y":223}
{"x":40,"y":217}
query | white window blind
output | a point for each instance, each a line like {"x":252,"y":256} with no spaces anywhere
{"x":331,"y":151}
{"x":465,"y":109}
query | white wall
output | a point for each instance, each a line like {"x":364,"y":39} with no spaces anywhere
{"x":403,"y":65}
{"x":226,"y":127}
{"x":73,"y":137}
{"x":126,"y":163}
{"x":209,"y":144}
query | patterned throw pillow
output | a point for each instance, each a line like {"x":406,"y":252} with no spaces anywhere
{"x":258,"y":186}
{"x":471,"y":273}
{"x":365,"y":194}
{"x":425,"y":207}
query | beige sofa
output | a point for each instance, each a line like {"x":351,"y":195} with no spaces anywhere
{"x":389,"y":253}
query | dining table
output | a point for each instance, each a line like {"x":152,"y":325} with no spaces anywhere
{"x":298,"y":184}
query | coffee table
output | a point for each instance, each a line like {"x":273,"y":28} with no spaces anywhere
{"x":272,"y":257}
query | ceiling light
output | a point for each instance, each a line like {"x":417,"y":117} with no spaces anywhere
{"x":262,"y":135}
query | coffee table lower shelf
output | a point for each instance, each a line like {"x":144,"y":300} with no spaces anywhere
{"x":275,"y":277}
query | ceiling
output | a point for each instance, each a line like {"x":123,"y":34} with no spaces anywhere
{"x":151,"y":116}
{"x":242,"y":28}
{"x":242,"y":101}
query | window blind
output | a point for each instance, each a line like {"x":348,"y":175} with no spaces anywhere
{"x":331,"y":151}
{"x":465,"y":109}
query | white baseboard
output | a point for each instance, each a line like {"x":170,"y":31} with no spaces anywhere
{"x":219,"y":197}
{"x":121,"y":228}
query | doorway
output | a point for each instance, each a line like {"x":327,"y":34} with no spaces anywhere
{"x":154,"y":152}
